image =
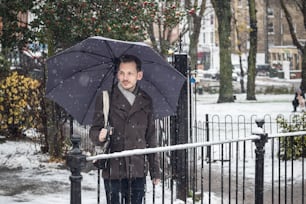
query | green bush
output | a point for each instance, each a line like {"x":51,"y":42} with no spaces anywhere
{"x":292,"y":147}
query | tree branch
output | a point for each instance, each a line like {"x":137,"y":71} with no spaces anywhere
{"x":290,"y":24}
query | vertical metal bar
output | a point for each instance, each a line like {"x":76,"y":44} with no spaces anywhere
{"x":222,"y":172}
{"x":303,"y":169}
{"x":279,"y":172}
{"x":243,"y":179}
{"x":194,"y":176}
{"x":154,"y":193}
{"x":202,"y":175}
{"x":209,"y":177}
{"x":99,"y":185}
{"x":129,"y":182}
{"x":237,"y":161}
{"x":229,"y":172}
{"x":208,"y":155}
{"x":272,"y":159}
{"x":291,"y":146}
{"x":163,"y":178}
{"x":286,"y":149}
{"x":171,"y":183}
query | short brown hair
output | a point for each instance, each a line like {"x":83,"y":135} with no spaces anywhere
{"x":131,"y":58}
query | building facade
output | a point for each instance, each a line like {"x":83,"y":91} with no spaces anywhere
{"x":275,"y":46}
{"x":274,"y":42}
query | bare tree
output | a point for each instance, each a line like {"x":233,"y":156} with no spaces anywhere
{"x":242,"y":34}
{"x":301,"y":5}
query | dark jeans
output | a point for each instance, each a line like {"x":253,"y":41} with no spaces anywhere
{"x":295,"y":104}
{"x":125,"y":191}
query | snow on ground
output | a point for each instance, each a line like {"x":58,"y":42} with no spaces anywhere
{"x":27,"y":177}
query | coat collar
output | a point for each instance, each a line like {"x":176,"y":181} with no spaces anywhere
{"x":142,"y":100}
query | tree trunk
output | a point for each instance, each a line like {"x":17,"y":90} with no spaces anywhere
{"x":224,"y":15}
{"x":252,"y":52}
{"x":194,"y":30}
{"x":303,"y":83}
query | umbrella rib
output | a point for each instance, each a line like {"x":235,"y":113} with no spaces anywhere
{"x":111,"y":51}
{"x":96,"y":90}
{"x":91,"y":53}
{"x":68,"y":77}
{"x":166,"y":99}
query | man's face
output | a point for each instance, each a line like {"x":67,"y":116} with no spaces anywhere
{"x":128,"y":75}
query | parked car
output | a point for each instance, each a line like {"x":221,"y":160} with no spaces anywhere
{"x":204,"y":74}
{"x":263,"y":69}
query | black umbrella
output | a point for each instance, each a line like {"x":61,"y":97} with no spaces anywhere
{"x":78,"y":74}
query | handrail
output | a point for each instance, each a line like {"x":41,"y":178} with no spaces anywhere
{"x":288,"y":134}
{"x":132,"y":152}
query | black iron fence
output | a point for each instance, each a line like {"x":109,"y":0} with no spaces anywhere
{"x":229,"y":161}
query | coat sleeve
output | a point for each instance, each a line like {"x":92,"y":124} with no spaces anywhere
{"x":154,"y":160}
{"x":98,"y":122}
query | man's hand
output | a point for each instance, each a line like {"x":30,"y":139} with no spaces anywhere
{"x":102,"y":135}
{"x":155,"y":181}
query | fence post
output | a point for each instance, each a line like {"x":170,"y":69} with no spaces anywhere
{"x":259,"y":166}
{"x":181,"y":63}
{"x":75,"y":161}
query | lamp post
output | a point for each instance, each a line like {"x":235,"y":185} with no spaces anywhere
{"x":75,"y":161}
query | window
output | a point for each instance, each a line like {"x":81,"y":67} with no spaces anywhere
{"x":270,"y":28}
{"x":270,"y":12}
{"x":204,"y":38}
{"x":211,"y":19}
{"x":282,"y":29}
{"x":212,"y":37}
{"x":240,"y":3}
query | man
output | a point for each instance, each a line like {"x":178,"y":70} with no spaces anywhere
{"x":131,"y":117}
{"x":299,"y":100}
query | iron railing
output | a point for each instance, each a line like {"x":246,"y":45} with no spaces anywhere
{"x":244,"y":169}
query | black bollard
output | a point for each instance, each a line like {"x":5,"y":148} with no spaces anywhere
{"x":75,"y":161}
{"x":259,"y":166}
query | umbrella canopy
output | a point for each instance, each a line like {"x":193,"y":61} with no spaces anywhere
{"x":78,"y":74}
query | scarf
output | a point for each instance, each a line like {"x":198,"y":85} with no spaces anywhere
{"x":127,"y":94}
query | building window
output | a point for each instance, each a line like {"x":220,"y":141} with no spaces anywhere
{"x":211,"y":19}
{"x":204,"y":38}
{"x":240,"y":3}
{"x":271,"y":42}
{"x":211,"y":37}
{"x":270,"y":28}
{"x":282,"y":29}
{"x":270,"y":12}
{"x":281,"y":13}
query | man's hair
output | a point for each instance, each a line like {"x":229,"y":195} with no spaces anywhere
{"x":131,"y":58}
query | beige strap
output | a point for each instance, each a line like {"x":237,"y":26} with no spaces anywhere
{"x":105,"y":107}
